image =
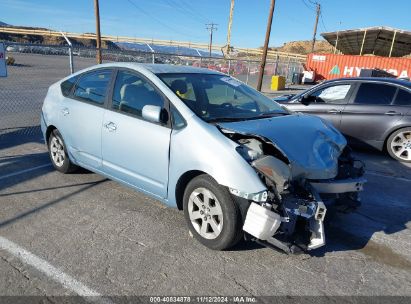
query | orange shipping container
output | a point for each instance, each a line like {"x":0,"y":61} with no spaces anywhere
{"x":330,"y":66}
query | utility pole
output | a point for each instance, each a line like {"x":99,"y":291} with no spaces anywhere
{"x":315,"y":26}
{"x":265,"y":49}
{"x":98,"y":34}
{"x":230,"y":22}
{"x":211,"y":27}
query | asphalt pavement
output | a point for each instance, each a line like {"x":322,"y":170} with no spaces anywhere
{"x":81,"y":234}
{"x":110,"y":240}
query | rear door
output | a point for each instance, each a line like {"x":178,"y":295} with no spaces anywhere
{"x":134,"y":150}
{"x":81,"y":116}
{"x":327,"y":102}
{"x":371,"y":113}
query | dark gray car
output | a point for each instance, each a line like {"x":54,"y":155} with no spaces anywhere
{"x":374,"y":111}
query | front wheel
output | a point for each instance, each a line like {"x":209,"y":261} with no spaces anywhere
{"x":399,"y":145}
{"x":212,"y":216}
{"x":58,"y":153}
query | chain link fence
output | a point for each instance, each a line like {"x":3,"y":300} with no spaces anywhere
{"x":36,"y":67}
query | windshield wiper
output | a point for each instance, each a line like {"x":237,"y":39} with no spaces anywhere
{"x":225,"y":119}
{"x":269,"y":114}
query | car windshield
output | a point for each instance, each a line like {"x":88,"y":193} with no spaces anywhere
{"x":216,"y":98}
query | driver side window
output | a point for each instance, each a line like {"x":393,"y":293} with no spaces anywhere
{"x":132,"y":92}
{"x":335,"y":94}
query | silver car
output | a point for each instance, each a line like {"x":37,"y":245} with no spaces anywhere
{"x":238,"y":164}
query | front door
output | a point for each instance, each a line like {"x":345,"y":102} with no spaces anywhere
{"x":326,"y":102}
{"x":134,"y":150}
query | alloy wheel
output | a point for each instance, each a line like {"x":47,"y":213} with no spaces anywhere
{"x":205,"y":213}
{"x":401,"y":145}
{"x":57,"y":151}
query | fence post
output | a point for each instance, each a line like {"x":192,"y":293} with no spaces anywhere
{"x":201,"y":58}
{"x":152,"y":51}
{"x":248,"y":69}
{"x":288,"y":69}
{"x":276,"y":64}
{"x":70,"y":53}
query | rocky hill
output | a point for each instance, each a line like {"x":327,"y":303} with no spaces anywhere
{"x":51,"y":40}
{"x":304,"y":47}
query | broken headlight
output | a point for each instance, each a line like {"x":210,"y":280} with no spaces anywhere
{"x":250,"y":149}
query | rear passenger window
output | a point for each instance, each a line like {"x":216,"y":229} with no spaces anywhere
{"x":67,"y":85}
{"x":375,"y":93}
{"x":92,"y":87}
{"x":403,"y":98}
{"x":132,"y":92}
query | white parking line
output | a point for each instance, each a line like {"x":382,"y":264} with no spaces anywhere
{"x":52,"y":272}
{"x":23,"y":171}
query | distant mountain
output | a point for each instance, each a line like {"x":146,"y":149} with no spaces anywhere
{"x":4,"y":24}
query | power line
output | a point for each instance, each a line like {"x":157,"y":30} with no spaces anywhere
{"x":307,"y":5}
{"x":191,"y":11}
{"x":186,"y":11}
{"x":322,"y":22}
{"x":159,"y":21}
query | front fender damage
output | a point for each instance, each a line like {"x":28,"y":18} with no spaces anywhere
{"x":290,"y":214}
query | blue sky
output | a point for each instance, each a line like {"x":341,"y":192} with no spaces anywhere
{"x":185,"y":19}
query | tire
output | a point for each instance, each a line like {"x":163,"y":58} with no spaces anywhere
{"x":216,"y":222}
{"x":58,"y":153}
{"x":399,"y":145}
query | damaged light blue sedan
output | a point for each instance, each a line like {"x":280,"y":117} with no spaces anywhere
{"x":237,"y":163}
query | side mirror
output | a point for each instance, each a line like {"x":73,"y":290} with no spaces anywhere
{"x":152,"y":113}
{"x":306,"y":100}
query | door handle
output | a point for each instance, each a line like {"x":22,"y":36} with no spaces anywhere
{"x":65,"y":111}
{"x":111,"y":126}
{"x":392,"y":113}
{"x":334,"y":111}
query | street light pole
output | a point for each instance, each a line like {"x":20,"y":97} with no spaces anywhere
{"x":230,"y":22}
{"x":98,"y":34}
{"x":318,"y":12}
{"x":265,"y":49}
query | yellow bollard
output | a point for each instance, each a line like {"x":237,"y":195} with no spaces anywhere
{"x":277,"y":83}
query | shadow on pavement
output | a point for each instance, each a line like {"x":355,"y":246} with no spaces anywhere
{"x":49,"y":204}
{"x":14,"y":137}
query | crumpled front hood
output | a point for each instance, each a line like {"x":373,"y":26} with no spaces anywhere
{"x":311,"y":145}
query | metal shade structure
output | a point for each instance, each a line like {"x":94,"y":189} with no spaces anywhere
{"x":379,"y":41}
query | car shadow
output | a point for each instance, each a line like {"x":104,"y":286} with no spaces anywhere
{"x":385,"y":209}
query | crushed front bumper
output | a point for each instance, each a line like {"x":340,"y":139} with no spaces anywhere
{"x":300,"y":211}
{"x":339,"y":186}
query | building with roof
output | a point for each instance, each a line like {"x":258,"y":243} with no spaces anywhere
{"x":379,"y":41}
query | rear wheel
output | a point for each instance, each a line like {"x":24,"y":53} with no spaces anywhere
{"x":399,"y":145}
{"x":212,"y":216}
{"x":58,"y":153}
